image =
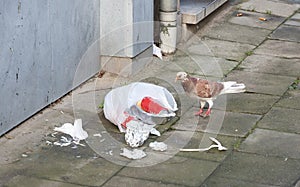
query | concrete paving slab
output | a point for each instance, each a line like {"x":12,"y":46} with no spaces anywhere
{"x":251,"y":19}
{"x":69,"y":165}
{"x":282,"y":119}
{"x":242,"y":34}
{"x":296,"y":16}
{"x":221,"y":182}
{"x":290,"y":100}
{"x":234,"y":124}
{"x":261,"y":82}
{"x":222,"y":49}
{"x":220,"y":122}
{"x":279,"y":48}
{"x":272,"y":171}
{"x":250,"y":103}
{"x":272,"y":143}
{"x":272,"y":65}
{"x":276,"y":8}
{"x":29,"y":135}
{"x":36,"y":182}
{"x":89,"y":95}
{"x":184,"y":103}
{"x":285,"y":32}
{"x":292,"y":23}
{"x":202,"y":65}
{"x":178,"y":170}
{"x":128,"y":181}
{"x":201,"y":140}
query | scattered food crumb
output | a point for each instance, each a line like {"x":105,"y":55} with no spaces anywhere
{"x":24,"y":155}
{"x":48,"y":142}
{"x":97,"y":135}
{"x":53,"y":134}
{"x":239,"y":14}
{"x":102,"y":140}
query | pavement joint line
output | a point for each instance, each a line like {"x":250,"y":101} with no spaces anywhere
{"x":239,"y":151}
{"x":283,"y":57}
{"x":276,"y":130}
{"x":115,"y":174}
{"x":296,"y":181}
{"x":267,"y":155}
{"x":248,"y":181}
{"x":283,"y":40}
{"x":249,"y":70}
{"x":215,"y":170}
{"x":152,"y":180}
{"x":203,"y":159}
{"x":227,"y":40}
{"x":55,"y":180}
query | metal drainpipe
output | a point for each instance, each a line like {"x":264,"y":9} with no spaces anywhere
{"x":168,"y":25}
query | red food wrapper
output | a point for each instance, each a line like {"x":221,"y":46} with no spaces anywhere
{"x":149,"y":105}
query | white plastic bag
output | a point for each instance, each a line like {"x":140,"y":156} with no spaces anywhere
{"x":121,"y":102}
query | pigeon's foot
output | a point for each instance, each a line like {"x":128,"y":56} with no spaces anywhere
{"x":199,"y":113}
{"x":207,"y":113}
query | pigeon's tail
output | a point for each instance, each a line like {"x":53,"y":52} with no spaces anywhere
{"x":233,"y":87}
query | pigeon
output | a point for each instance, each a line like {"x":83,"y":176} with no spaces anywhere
{"x":207,"y":91}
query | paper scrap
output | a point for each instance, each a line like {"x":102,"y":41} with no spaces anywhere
{"x":75,"y":131}
{"x":158,"y":146}
{"x":157,"y":51}
{"x":154,"y":131}
{"x":134,"y":154}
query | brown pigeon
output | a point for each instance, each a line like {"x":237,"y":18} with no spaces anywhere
{"x":207,"y":91}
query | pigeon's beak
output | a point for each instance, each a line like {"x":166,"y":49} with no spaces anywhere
{"x":176,"y":79}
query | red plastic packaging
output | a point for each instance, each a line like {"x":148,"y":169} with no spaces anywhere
{"x":149,"y":105}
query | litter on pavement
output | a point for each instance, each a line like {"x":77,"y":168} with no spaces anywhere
{"x":157,"y":51}
{"x":137,"y":108}
{"x":75,"y":131}
{"x":134,"y":154}
{"x":158,"y":146}
{"x":217,"y":145}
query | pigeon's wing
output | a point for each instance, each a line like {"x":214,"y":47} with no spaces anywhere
{"x":207,"y":89}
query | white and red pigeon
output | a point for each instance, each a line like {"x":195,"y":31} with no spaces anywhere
{"x":207,"y":91}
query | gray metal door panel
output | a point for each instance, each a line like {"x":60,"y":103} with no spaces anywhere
{"x":41,"y":45}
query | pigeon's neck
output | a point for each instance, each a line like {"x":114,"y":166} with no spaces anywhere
{"x":186,"y":84}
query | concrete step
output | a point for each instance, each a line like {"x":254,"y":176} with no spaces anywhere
{"x":193,"y":11}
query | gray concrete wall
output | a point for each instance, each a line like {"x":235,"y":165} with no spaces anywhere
{"x":43,"y":46}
